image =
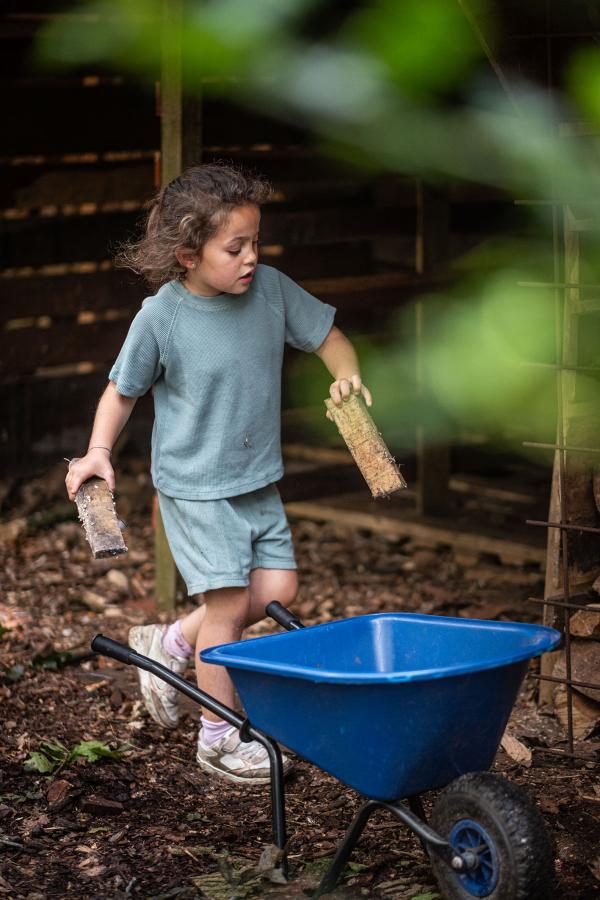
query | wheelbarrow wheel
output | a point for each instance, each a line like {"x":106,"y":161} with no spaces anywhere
{"x":498,"y":822}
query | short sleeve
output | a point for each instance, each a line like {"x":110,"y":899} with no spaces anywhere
{"x":308,"y":320}
{"x":138,"y":364}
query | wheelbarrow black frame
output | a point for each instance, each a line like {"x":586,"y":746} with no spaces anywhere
{"x":412,"y":815}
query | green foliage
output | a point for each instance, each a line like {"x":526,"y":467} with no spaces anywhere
{"x":52,"y":660}
{"x":426,"y":47}
{"x":584,"y":82}
{"x":54,"y":755}
{"x":12,"y":674}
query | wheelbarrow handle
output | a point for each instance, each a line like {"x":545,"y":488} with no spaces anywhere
{"x":107,"y":647}
{"x":283,"y":616}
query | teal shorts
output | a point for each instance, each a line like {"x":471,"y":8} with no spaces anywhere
{"x":217,"y":543}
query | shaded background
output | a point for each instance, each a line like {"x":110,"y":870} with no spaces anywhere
{"x":415,"y":150}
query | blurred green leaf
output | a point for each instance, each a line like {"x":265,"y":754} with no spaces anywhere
{"x":38,"y":762}
{"x":426,"y":47}
{"x":95,"y":750}
{"x":53,"y":660}
{"x":12,"y":674}
{"x":54,"y":754}
{"x":584,"y":83}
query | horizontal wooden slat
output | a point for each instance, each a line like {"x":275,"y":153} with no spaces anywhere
{"x":29,"y":187}
{"x":281,"y":163}
{"x":46,"y":241}
{"x":70,"y":119}
{"x":332,"y":225}
{"x":334,"y":260}
{"x":32,"y":187}
{"x":67,"y":295}
{"x":365,"y":303}
{"x":39,"y":241}
{"x":299,"y":175}
{"x":27,"y":349}
{"x":63,"y":118}
{"x":44,"y":421}
{"x":70,"y":294}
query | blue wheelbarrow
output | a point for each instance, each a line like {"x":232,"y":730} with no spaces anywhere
{"x":394,"y":705}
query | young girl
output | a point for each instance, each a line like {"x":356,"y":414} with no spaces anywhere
{"x":210,"y":342}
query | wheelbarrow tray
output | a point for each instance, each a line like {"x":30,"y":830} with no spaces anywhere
{"x":391,"y":704}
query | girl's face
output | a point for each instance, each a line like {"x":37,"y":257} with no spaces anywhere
{"x":227,"y":261}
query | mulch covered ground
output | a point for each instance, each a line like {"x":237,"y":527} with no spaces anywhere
{"x":149,"y":824}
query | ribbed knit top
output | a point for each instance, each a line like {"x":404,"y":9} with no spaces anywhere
{"x":215,"y":367}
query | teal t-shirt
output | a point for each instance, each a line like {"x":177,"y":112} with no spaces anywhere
{"x":215,"y":366}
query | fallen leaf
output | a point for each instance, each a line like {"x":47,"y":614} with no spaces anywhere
{"x":549,"y":805}
{"x":92,"y":871}
{"x":34,"y":825}
{"x":57,"y":792}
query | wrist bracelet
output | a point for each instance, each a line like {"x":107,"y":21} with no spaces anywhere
{"x":100,"y":448}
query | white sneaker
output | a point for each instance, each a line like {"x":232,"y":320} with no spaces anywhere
{"x":236,"y":760}
{"x":160,"y":699}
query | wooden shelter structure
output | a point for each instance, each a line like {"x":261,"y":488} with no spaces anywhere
{"x":85,"y":150}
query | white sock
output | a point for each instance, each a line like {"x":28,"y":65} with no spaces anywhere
{"x":212,"y":731}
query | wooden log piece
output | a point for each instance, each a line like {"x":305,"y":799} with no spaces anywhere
{"x":379,"y":468}
{"x":97,"y":513}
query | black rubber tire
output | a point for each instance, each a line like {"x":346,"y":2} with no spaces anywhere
{"x":525,"y":857}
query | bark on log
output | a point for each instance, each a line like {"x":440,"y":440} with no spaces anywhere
{"x":97,"y":513}
{"x":585,"y":667}
{"x":586,"y":713}
{"x":379,"y":468}
{"x":586,"y":623}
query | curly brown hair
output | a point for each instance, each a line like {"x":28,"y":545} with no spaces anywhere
{"x":185,"y":214}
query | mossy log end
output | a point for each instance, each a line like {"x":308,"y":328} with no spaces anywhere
{"x":379,"y":468}
{"x":97,"y":513}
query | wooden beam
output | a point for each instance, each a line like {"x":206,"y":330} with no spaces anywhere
{"x":430,"y":534}
{"x":180,"y":147}
{"x":171,"y":158}
{"x":170,"y":91}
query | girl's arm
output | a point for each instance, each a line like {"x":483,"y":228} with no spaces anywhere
{"x":111,"y":417}
{"x":339,"y":356}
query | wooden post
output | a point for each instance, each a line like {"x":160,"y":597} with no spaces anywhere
{"x":579,"y":426}
{"x":433,"y":457}
{"x":170,"y":167}
{"x":180,"y":146}
{"x":171,"y":104}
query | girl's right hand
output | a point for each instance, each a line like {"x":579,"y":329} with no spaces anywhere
{"x":95,"y":462}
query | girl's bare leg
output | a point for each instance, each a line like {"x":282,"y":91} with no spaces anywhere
{"x":265,"y":585}
{"x":225,"y":617}
{"x":226,"y":612}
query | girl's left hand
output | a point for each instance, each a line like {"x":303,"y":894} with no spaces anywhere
{"x":341,"y":390}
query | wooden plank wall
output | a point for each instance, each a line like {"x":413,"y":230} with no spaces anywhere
{"x":77,"y":164}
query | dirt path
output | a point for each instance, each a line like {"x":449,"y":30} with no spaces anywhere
{"x":167,"y":830}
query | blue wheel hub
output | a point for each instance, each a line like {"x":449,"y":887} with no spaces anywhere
{"x":470,"y":836}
